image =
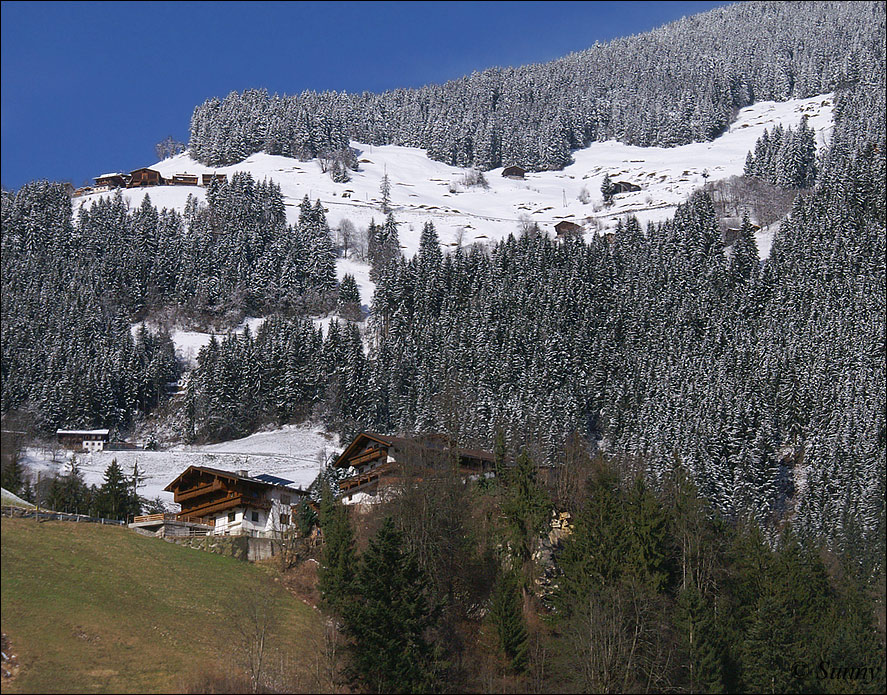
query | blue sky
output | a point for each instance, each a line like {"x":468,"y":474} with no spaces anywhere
{"x":91,"y":87}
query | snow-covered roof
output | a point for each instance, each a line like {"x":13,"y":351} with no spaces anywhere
{"x":99,"y":433}
{"x":105,"y":176}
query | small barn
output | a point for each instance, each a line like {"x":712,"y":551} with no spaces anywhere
{"x":140,"y":178}
{"x":114,"y":180}
{"x":207,"y":179}
{"x":514,"y":172}
{"x":183,"y":180}
{"x":565,"y":228}
{"x":624,"y":187}
{"x":83,"y":440}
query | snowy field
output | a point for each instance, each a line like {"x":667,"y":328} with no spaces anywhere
{"x":294,"y":452}
{"x":421,"y":188}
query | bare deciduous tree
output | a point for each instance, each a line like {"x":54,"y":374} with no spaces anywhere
{"x":168,"y":147}
{"x":255,"y":622}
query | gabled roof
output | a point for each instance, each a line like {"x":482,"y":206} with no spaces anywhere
{"x":98,"y":433}
{"x":420,"y":441}
{"x":231,"y":475}
{"x":359,"y":441}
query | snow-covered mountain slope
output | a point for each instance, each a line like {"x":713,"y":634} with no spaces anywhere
{"x":423,"y":190}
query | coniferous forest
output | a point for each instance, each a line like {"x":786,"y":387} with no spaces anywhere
{"x":681,"y":83}
{"x":714,"y":422}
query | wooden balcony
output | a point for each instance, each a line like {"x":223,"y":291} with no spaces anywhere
{"x":230,"y":501}
{"x":367,"y":456}
{"x":199,"y":490}
{"x":354,"y":483}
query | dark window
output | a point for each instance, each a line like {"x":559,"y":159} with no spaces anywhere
{"x":231,"y":517}
{"x":255,"y":516}
{"x":284,"y":519}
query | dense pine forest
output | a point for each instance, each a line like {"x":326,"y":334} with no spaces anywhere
{"x":714,"y":422}
{"x":681,"y":83}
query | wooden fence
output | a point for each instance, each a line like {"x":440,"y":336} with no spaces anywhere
{"x":49,"y":515}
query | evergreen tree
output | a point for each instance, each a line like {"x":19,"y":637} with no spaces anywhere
{"x":335,"y":574}
{"x":390,"y":619}
{"x":607,"y":189}
{"x":114,"y":498}
{"x":506,"y":613}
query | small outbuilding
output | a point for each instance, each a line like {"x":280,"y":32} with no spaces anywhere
{"x":624,"y":187}
{"x":514,"y":172}
{"x":565,"y":228}
{"x":140,"y":178}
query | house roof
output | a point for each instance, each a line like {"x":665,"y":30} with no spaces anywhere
{"x":98,"y":433}
{"x":231,"y":475}
{"x":107,"y":176}
{"x":420,"y":441}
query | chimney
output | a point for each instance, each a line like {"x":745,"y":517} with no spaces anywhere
{"x":243,"y":473}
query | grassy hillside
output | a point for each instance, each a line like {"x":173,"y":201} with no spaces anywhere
{"x":92,"y":608}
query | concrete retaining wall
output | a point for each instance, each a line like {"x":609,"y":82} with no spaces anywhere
{"x":244,"y":548}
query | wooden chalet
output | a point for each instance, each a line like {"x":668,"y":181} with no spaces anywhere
{"x":140,"y":178}
{"x":514,"y":172}
{"x":374,"y":462}
{"x":565,"y":228}
{"x":624,"y":187}
{"x":115,"y":180}
{"x":233,"y":503}
{"x":184,"y":180}
{"x":207,"y":179}
{"x":83,"y":440}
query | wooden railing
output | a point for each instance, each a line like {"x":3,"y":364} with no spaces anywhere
{"x":153,"y":517}
{"x":363,"y":479}
{"x":370,"y":455}
{"x":172,"y":517}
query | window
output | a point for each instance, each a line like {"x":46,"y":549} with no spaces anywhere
{"x":255,"y":517}
{"x":284,"y":519}
{"x":231,"y":517}
{"x":284,"y":499}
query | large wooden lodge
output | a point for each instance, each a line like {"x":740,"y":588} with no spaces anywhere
{"x":375,"y":463}
{"x":234,"y":503}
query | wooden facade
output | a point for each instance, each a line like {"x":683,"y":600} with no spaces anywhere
{"x":111,"y":180}
{"x":143,"y":177}
{"x":375,"y":462}
{"x":207,"y":179}
{"x":624,"y":187}
{"x":514,"y":172}
{"x":184,"y":180}
{"x":566,"y":228}
{"x":212,"y":496}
